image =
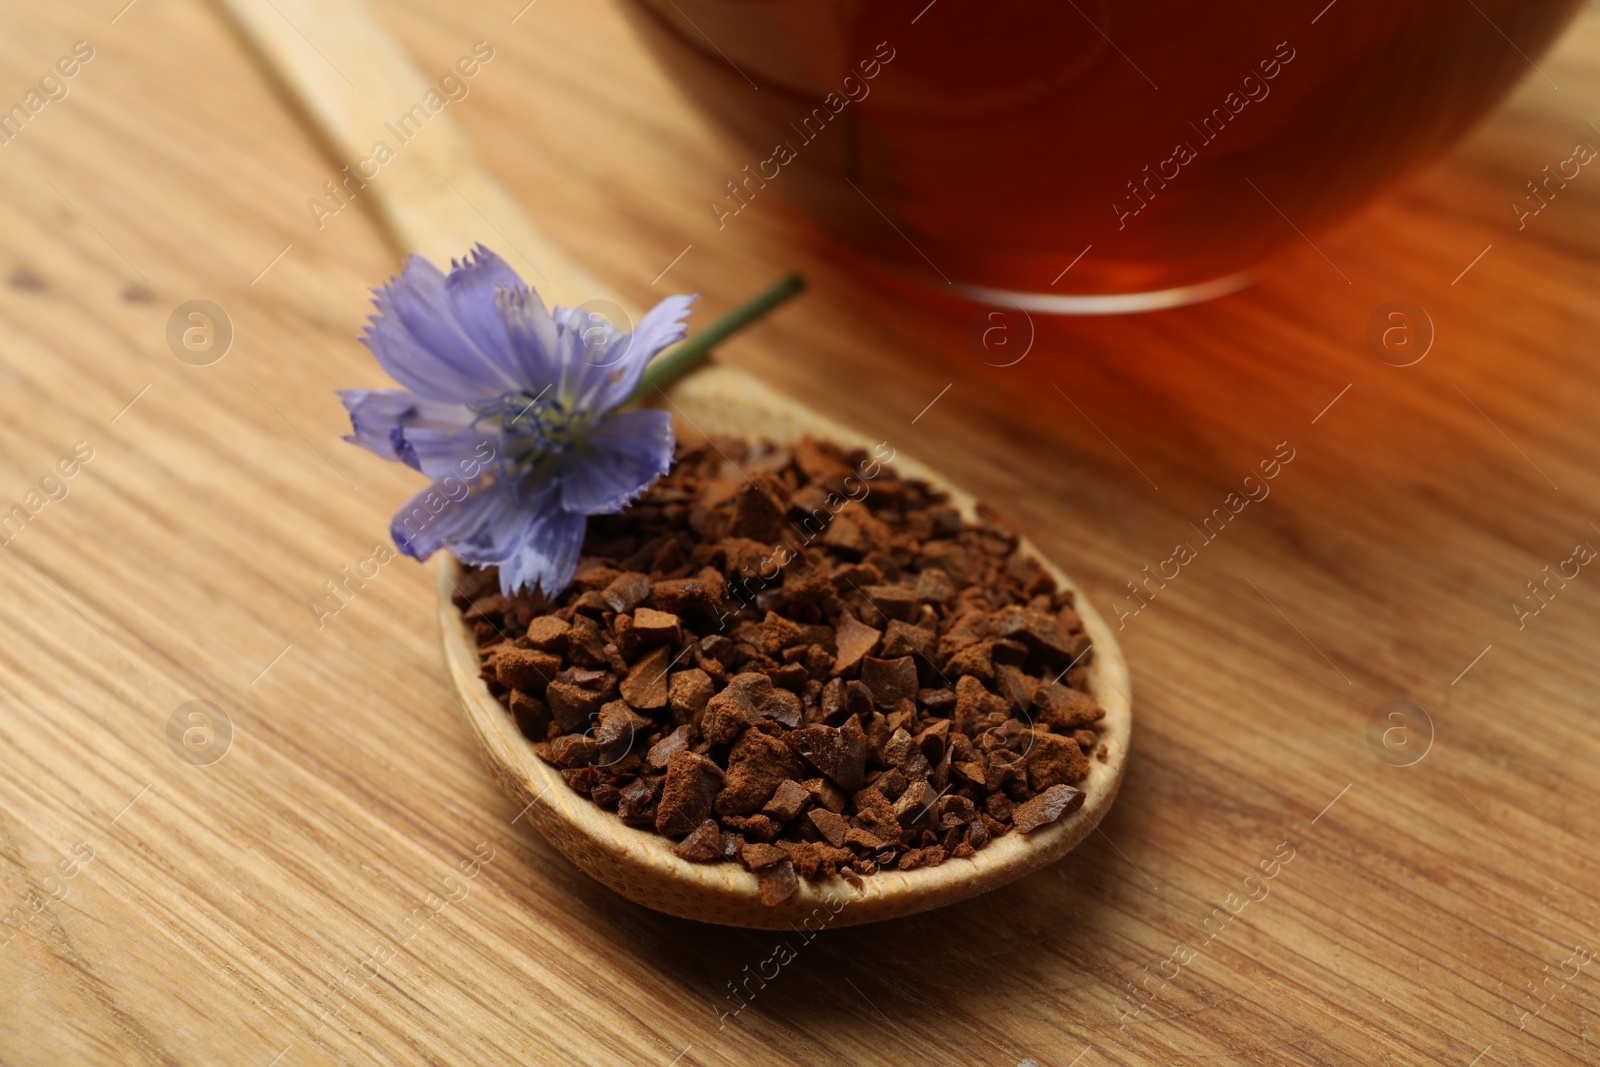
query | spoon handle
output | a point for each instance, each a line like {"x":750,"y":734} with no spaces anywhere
{"x":434,"y":197}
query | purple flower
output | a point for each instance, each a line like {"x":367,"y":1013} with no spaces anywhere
{"x":510,"y":410}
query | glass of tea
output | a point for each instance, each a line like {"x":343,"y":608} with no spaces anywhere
{"x":1084,"y":156}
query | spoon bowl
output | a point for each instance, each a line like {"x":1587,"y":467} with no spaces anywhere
{"x":641,"y":866}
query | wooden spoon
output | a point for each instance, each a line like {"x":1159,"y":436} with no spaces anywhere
{"x":422,"y":212}
{"x":641,"y":866}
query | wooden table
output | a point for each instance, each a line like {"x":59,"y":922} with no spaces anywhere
{"x":228,"y":912}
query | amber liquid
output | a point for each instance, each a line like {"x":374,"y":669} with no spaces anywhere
{"x":990,"y":142}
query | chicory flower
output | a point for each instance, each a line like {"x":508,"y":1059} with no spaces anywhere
{"x":510,"y":410}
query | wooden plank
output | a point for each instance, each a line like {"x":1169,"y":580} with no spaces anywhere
{"x":227,"y":913}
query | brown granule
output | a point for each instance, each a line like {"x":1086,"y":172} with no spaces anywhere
{"x":792,"y":659}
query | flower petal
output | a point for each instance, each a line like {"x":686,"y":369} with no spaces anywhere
{"x":445,"y":449}
{"x":600,"y":366}
{"x":438,"y":517}
{"x":375,"y":416}
{"x":547,"y":555}
{"x":615,"y":461}
{"x":428,"y":312}
{"x":661,"y":328}
{"x":478,"y":289}
{"x":413,"y":366}
{"x":441,"y":440}
{"x":416,"y":338}
{"x":469,"y":288}
{"x":531,"y":336}
{"x":584,"y":363}
{"x":534,"y":542}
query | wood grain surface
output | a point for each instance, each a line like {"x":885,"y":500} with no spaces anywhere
{"x":346,"y":884}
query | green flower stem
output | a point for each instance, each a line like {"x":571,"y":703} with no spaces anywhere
{"x":677,"y":361}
